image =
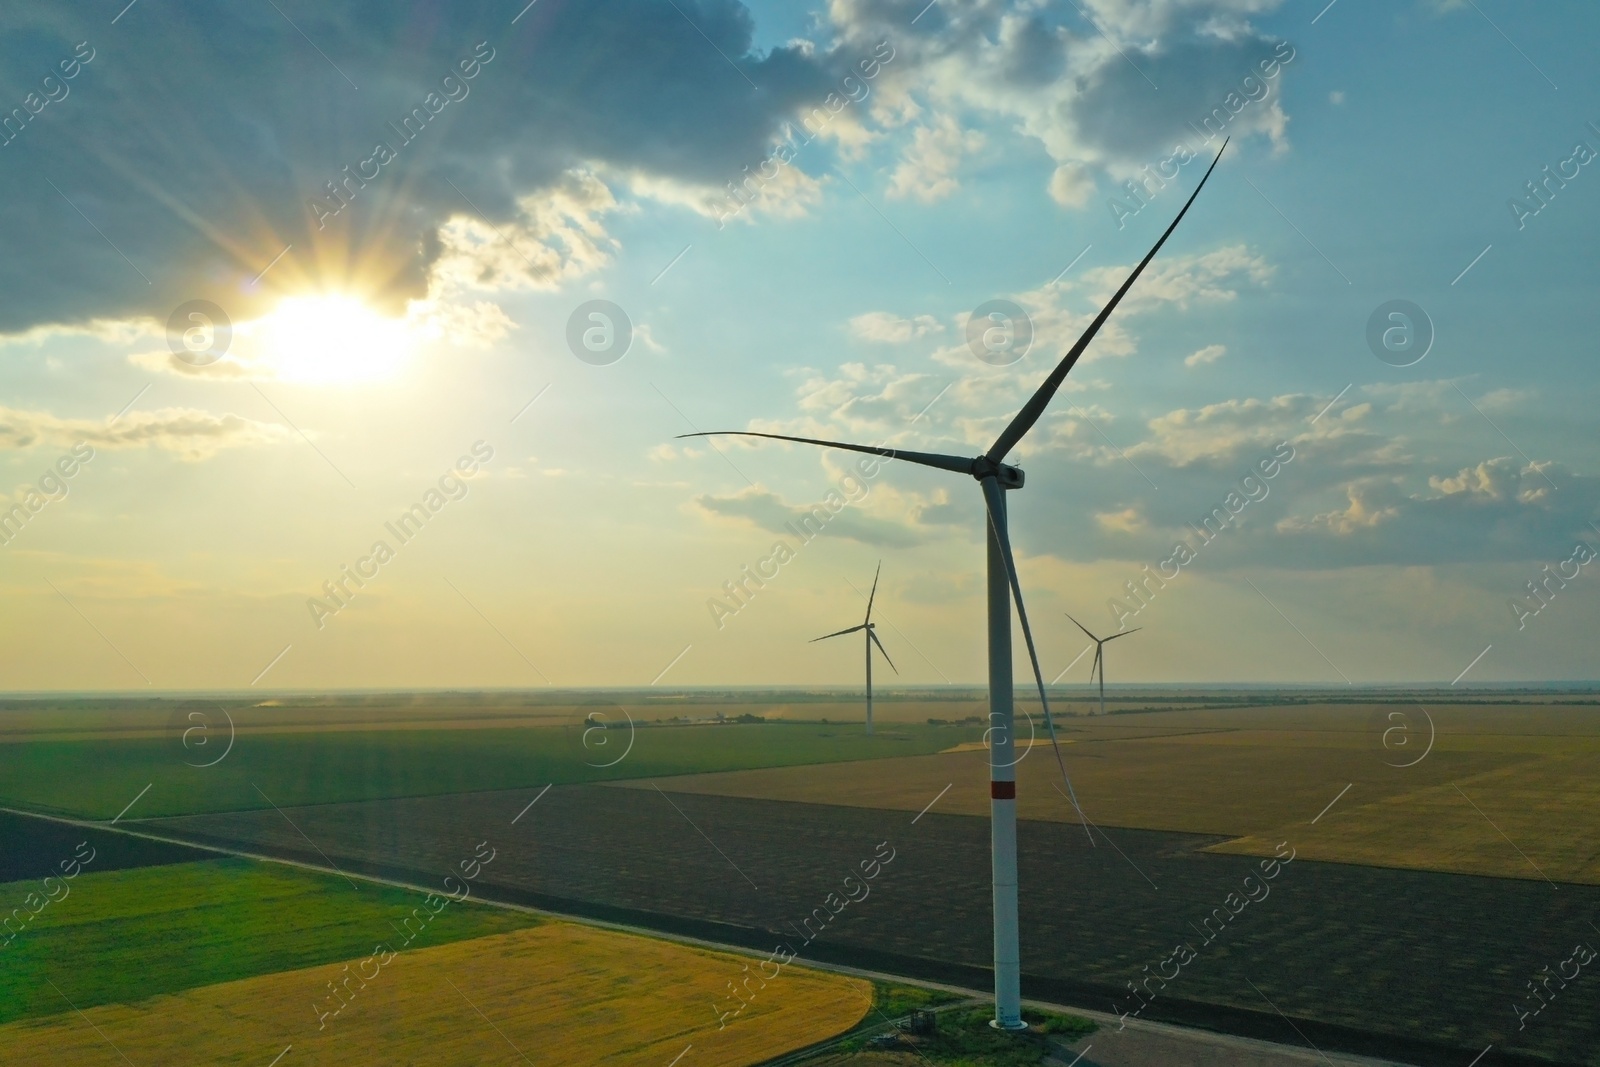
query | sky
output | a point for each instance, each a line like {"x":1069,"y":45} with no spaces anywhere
{"x":282,"y":275}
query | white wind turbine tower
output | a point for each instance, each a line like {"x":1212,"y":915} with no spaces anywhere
{"x":869,"y":628}
{"x":995,"y":477}
{"x":1099,"y":656}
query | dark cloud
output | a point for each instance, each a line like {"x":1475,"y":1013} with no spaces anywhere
{"x":1499,"y":510}
{"x":1109,"y":87}
{"x":1313,"y":514}
{"x":194,"y":137}
{"x":1119,"y":113}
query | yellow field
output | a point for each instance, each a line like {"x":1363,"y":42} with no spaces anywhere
{"x":1530,"y":820}
{"x":1262,"y":775}
{"x":555,"y":993}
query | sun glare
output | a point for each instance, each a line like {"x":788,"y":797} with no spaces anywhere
{"x":332,"y":339}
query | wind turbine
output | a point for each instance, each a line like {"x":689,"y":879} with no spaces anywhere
{"x":1099,"y":656}
{"x":867,"y":627}
{"x":995,"y":477}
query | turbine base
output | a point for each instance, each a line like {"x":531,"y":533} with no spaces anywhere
{"x":1010,"y":1028}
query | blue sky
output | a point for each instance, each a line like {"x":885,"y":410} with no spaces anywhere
{"x":585,"y":161}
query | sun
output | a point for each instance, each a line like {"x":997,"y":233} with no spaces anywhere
{"x":332,"y":339}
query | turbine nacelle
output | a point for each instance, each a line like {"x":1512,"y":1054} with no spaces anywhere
{"x":1008,"y":476}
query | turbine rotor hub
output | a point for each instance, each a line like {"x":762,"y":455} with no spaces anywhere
{"x":1008,"y":476}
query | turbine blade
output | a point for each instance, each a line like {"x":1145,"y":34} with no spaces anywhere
{"x":1034,"y":408}
{"x":927,"y":459}
{"x":875,"y":641}
{"x":836,"y":633}
{"x":874,"y":592}
{"x":1085,"y":629}
{"x":994,"y":500}
{"x":1125,"y":633}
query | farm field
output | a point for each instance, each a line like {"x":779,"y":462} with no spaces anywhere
{"x":1531,"y":819}
{"x":68,"y":718}
{"x":121,"y":936}
{"x":558,"y":991}
{"x":1261,"y":776}
{"x":730,"y":831}
{"x":97,"y":778}
{"x":38,"y":848}
{"x":1429,"y":965}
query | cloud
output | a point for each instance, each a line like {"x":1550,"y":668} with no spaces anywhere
{"x":1128,"y":520}
{"x":1505,"y":399}
{"x":132,"y":581}
{"x":890,"y":329}
{"x":1221,"y":431}
{"x":1208,"y":354}
{"x":192,"y":434}
{"x":554,"y":236}
{"x":505,"y":179}
{"x":1211,"y":276}
{"x":862,"y":400}
{"x":790,"y":193}
{"x":767,"y":511}
{"x":106,"y":331}
{"x":926,"y":171}
{"x":1427,"y":395}
{"x":463,"y":323}
{"x":1361,"y":514}
{"x":1354,"y":492}
{"x":1061,"y":311}
{"x":1499,"y":509}
{"x":194,"y":139}
{"x":1223,"y":434}
{"x":1495,"y":480}
{"x":1102,"y":88}
{"x":1202,"y":77}
{"x":645,"y":334}
{"x":935,"y":409}
{"x":1071,"y":185}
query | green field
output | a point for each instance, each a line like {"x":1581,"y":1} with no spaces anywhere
{"x":122,"y":936}
{"x":97,"y":778}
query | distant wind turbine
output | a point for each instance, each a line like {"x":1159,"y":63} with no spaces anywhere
{"x":995,"y":477}
{"x":1099,"y":656}
{"x":869,"y":628}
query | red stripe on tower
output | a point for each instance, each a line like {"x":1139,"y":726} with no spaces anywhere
{"x":1003,"y":790}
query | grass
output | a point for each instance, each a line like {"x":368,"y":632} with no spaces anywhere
{"x":120,"y":936}
{"x":891,"y":1002}
{"x":98,"y":778}
{"x":964,"y":1038}
{"x":560,"y":993}
{"x":895,"y":1000}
